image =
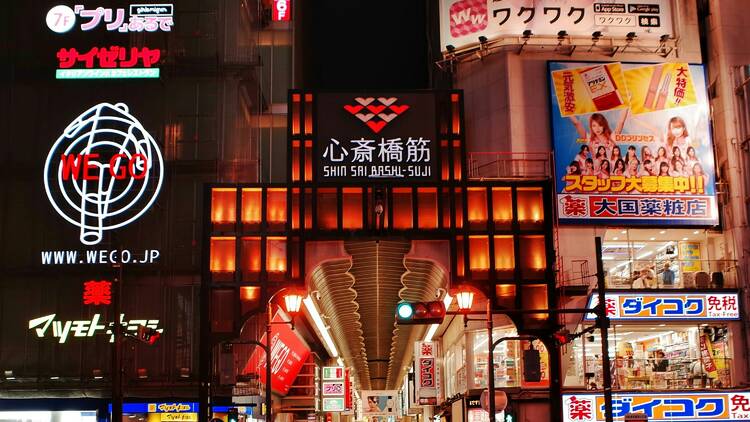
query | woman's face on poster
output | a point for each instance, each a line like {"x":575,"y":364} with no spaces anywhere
{"x":596,"y":128}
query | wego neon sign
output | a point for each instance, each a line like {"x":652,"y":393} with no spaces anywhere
{"x":103,"y":172}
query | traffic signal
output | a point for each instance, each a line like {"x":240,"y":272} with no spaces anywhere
{"x":420,"y":312}
{"x":563,"y":337}
{"x":532,"y":365}
{"x":147,"y":335}
{"x":233,"y":415}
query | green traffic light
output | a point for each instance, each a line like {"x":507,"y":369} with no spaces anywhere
{"x":404,"y":310}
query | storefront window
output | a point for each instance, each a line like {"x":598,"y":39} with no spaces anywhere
{"x":455,"y":380}
{"x":666,"y":259}
{"x":677,"y":357}
{"x":506,"y":358}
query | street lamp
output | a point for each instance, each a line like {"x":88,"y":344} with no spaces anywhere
{"x":464,"y":299}
{"x":292,"y":302}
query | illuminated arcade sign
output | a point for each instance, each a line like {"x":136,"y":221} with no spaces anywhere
{"x":169,"y":407}
{"x":386,"y":137}
{"x":103,"y":172}
{"x":140,"y":18}
{"x":85,"y":328}
{"x":724,"y":406}
{"x":679,"y":306}
{"x":282,"y":10}
{"x":108,"y":63}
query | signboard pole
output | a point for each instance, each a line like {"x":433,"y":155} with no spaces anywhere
{"x":117,"y":347}
{"x":269,"y":402}
{"x":603,"y":323}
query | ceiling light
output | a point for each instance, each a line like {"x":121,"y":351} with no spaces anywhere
{"x":618,"y":325}
{"x":662,"y":325}
{"x":340,"y":361}
{"x":327,"y":340}
{"x":643,"y":255}
{"x":684,"y":238}
{"x":662,"y":232}
{"x":651,"y":238}
{"x":615,"y":238}
{"x":696,"y":232}
{"x":430,"y":332}
{"x":623,"y":232}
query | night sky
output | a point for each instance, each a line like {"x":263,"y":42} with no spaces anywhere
{"x":378,"y":44}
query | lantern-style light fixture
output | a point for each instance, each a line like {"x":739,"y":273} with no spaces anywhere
{"x":293,"y":302}
{"x":464,"y":299}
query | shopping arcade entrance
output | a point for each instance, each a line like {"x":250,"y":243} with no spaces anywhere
{"x":494,"y":236}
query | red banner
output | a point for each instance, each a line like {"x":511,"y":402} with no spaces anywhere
{"x":288,"y":354}
{"x":427,"y":371}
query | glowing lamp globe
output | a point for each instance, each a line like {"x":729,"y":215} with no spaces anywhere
{"x":464,"y":299}
{"x":293,"y":302}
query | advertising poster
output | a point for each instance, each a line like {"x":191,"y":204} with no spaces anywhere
{"x":632,"y":144}
{"x":463,"y":21}
{"x":379,"y":402}
{"x":690,"y":256}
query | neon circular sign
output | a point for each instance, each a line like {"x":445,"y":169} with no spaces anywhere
{"x":103,"y":172}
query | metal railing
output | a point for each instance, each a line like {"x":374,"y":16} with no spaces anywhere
{"x":681,"y":274}
{"x":675,"y":373}
{"x":510,"y":165}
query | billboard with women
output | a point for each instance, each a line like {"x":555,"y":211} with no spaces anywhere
{"x":632,"y":144}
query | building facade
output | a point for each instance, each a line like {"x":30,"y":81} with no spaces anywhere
{"x":540,"y":86}
{"x":198,"y":89}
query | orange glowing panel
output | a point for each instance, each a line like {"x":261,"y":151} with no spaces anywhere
{"x":428,"y":210}
{"x":445,"y":193}
{"x":308,"y":160}
{"x":276,"y":255}
{"x":223,"y":205}
{"x":295,"y":161}
{"x":327,"y":209}
{"x":534,"y":297}
{"x":459,"y":208}
{"x":222,"y":254}
{"x":505,"y":295}
{"x":533,"y":256}
{"x":250,"y":256}
{"x":479,"y":254}
{"x":460,"y":263}
{"x":251,"y":205}
{"x":402,"y":209}
{"x":296,"y":114}
{"x":249,"y":293}
{"x":530,"y":208}
{"x":445,"y":164}
{"x":457,"y":160}
{"x":276,"y":207}
{"x":308,"y":114}
{"x":504,"y":257}
{"x":352,"y":212}
{"x":455,"y":107}
{"x":308,"y":208}
{"x":477,"y":207}
{"x":295,"y":208}
{"x":502,"y":206}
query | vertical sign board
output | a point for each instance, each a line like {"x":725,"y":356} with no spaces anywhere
{"x":427,"y":379}
{"x":632,"y":144}
{"x":334,"y":388}
{"x":462,"y":22}
{"x":288,"y":353}
{"x":386,"y":137}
